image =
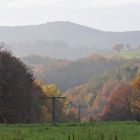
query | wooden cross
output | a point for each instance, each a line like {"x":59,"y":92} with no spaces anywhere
{"x":53,"y":98}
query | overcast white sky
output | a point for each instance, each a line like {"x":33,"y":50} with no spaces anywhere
{"x":112,"y":15}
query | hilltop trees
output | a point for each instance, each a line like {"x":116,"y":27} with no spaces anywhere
{"x":118,"y":47}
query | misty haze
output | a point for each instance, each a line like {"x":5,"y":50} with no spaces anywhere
{"x":63,"y":40}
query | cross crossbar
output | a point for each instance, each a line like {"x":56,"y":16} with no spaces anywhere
{"x":53,"y":98}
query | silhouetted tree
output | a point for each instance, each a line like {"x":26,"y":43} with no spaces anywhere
{"x":18,"y":93}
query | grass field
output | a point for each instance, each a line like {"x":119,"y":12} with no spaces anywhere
{"x":91,"y":131}
{"x":129,"y":54}
{"x":124,"y":54}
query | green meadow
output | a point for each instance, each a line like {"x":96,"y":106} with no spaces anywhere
{"x":124,"y":54}
{"x":72,"y":131}
{"x":130,"y":54}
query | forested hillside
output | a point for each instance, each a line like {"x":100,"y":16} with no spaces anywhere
{"x":67,"y":74}
{"x":94,"y":82}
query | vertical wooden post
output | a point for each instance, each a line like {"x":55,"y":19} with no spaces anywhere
{"x":79,"y":110}
{"x":53,"y":110}
{"x":53,"y":98}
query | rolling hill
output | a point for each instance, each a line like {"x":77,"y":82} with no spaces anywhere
{"x":63,"y":39}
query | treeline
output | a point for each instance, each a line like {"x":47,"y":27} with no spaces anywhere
{"x":18,"y":95}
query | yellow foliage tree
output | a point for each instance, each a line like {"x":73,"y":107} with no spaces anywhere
{"x":50,"y":90}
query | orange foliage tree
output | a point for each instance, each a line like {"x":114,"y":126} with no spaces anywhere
{"x":119,"y":103}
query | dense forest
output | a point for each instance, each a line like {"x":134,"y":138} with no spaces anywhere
{"x":103,"y":88}
{"x":106,"y":87}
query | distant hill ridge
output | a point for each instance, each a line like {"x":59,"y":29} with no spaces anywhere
{"x":73,"y":34}
{"x":63,"y":39}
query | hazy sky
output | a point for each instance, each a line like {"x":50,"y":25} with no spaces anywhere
{"x":116,"y":15}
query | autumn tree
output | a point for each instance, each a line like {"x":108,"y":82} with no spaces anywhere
{"x":119,"y":104}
